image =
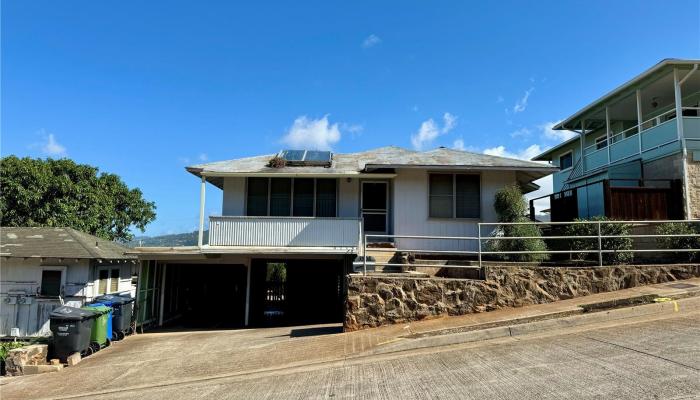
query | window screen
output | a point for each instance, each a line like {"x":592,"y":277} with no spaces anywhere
{"x":441,"y":194}
{"x":468,"y":196}
{"x":51,"y":283}
{"x":257,"y":196}
{"x":566,"y":161}
{"x":325,"y":197}
{"x":303,"y":198}
{"x":114,"y":281}
{"x":280,"y":196}
{"x":102,"y":284}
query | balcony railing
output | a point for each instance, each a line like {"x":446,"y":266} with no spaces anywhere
{"x":284,"y":232}
{"x":653,"y":137}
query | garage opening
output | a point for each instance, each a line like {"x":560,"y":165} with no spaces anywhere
{"x":205,"y":296}
{"x":296,"y":292}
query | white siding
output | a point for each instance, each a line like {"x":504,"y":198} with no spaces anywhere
{"x":348,"y":198}
{"x":410,"y":212}
{"x":234,"y":196}
{"x":18,"y":276}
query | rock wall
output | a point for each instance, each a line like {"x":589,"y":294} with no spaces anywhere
{"x":694,"y":186}
{"x":374,"y":300}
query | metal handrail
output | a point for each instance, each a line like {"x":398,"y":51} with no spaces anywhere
{"x":480,"y":239}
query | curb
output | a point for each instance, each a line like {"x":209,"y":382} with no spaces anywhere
{"x":519,"y":329}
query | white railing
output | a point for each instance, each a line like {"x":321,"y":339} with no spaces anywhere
{"x":285,"y":232}
{"x":692,"y":245}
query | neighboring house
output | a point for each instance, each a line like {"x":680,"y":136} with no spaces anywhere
{"x":41,"y":268}
{"x":308,"y":211}
{"x":641,"y":150}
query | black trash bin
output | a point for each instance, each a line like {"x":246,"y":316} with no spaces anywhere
{"x":71,"y":328}
{"x":123,"y":309}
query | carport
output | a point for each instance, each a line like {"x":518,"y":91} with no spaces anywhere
{"x":185,"y":288}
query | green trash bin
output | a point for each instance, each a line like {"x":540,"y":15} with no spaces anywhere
{"x":98,"y":336}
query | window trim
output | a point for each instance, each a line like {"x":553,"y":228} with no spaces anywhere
{"x":572,"y":160}
{"x":109,"y":269}
{"x":454,"y":196}
{"x":62,"y":269}
{"x":291,"y":203}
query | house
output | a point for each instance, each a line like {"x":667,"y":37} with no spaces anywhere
{"x":636,"y":152}
{"x":292,"y":223}
{"x":42,"y":268}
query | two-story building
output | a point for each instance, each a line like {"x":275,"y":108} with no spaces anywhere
{"x":636,"y":153}
{"x":292,"y":223}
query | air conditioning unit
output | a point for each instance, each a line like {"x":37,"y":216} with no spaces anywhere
{"x":24,"y":300}
{"x":10,"y":300}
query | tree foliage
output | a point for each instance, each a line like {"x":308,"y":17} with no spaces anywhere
{"x":62,"y":193}
{"x":510,"y":206}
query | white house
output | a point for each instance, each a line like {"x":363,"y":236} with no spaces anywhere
{"x":309,"y":211}
{"x":41,"y":268}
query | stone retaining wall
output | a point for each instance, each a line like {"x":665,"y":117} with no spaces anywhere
{"x":374,"y":300}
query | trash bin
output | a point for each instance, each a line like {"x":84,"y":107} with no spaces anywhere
{"x":110,"y":316}
{"x":123,"y":310}
{"x":72,"y":329}
{"x":98,"y":336}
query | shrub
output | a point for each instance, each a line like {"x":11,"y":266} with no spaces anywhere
{"x":510,"y":205}
{"x":5,"y":347}
{"x":277,"y":162}
{"x":617,"y":243}
{"x":685,"y":228}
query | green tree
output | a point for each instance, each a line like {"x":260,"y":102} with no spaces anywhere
{"x":510,"y":205}
{"x":61,"y":193}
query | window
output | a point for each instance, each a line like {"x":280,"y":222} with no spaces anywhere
{"x":51,"y":282}
{"x":566,"y":160}
{"x":601,"y":142}
{"x":108,"y":280}
{"x":257,"y":196}
{"x":454,"y":196}
{"x":303,"y":197}
{"x":280,"y":196}
{"x":325,"y":198}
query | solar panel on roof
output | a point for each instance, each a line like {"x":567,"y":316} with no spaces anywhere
{"x":320,"y":156}
{"x":293,"y":155}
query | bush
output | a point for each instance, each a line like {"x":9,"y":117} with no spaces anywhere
{"x":685,"y":228}
{"x":617,"y":243}
{"x":510,"y":205}
{"x":5,"y":347}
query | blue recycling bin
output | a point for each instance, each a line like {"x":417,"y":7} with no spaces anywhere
{"x":109,"y":317}
{"x":122,"y":313}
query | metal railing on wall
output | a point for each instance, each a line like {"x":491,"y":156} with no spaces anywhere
{"x":597,"y":232}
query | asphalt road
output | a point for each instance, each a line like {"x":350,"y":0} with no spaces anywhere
{"x":654,"y":358}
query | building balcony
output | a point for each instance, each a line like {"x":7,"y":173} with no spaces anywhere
{"x":658,"y":137}
{"x":339,"y":234}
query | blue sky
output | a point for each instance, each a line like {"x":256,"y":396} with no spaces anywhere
{"x":142,"y":89}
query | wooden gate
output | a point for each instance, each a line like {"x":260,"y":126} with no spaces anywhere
{"x":643,"y":203}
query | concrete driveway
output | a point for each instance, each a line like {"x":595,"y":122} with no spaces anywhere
{"x":650,"y":352}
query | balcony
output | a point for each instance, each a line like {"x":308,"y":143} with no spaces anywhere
{"x":330,"y":233}
{"x":658,"y":137}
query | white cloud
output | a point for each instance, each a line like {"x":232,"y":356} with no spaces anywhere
{"x":429,"y":130}
{"x":51,"y":146}
{"x":312,"y":134}
{"x":427,"y":133}
{"x":557,"y":135}
{"x":524,"y":154}
{"x":371,"y":41}
{"x":522,"y":132}
{"x":458,"y":144}
{"x":521,"y":104}
{"x":450,"y":122}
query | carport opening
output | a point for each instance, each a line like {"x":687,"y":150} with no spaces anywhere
{"x":296,"y":292}
{"x":205,"y":296}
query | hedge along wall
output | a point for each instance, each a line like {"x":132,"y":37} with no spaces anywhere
{"x":375,"y":301}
